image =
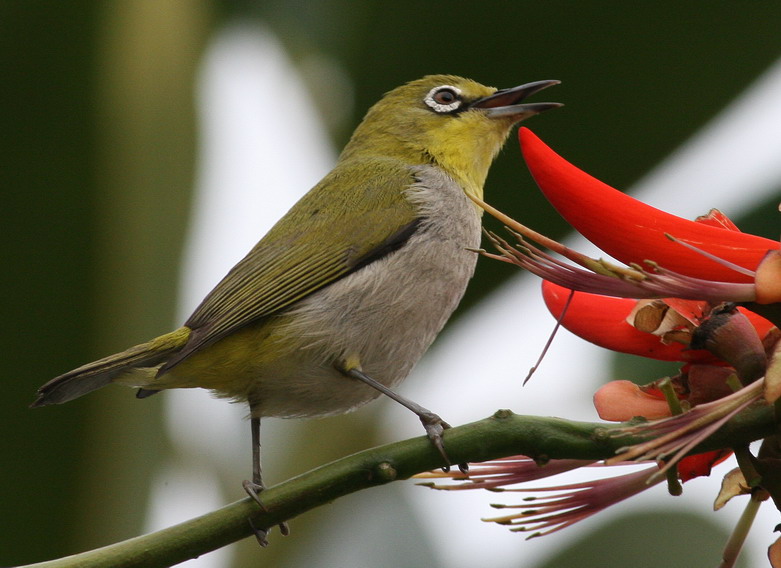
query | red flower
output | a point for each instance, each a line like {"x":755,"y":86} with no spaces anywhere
{"x":638,"y":231}
{"x":602,"y":320}
{"x":710,"y":248}
{"x":676,"y":301}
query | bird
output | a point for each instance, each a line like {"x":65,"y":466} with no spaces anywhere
{"x":343,"y":295}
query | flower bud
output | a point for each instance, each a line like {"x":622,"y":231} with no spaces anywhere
{"x":728,"y":334}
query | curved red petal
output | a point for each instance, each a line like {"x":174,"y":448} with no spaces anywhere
{"x":632,"y":231}
{"x":602,"y":321}
{"x":700,"y":465}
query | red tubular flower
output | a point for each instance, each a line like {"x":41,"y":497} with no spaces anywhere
{"x":602,"y":321}
{"x":638,"y":231}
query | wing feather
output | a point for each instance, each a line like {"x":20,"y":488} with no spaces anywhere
{"x":367,"y":217}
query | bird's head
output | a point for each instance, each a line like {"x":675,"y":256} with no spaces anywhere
{"x":452,"y":122}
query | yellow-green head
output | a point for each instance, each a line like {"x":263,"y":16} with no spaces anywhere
{"x":445,"y":120}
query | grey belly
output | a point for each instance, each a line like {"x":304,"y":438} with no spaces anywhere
{"x":385,"y":315}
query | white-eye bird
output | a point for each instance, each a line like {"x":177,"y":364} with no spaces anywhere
{"x":340,"y":299}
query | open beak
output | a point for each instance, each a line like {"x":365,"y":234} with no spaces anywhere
{"x":507,"y":102}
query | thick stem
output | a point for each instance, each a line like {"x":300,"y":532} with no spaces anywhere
{"x":503,"y":434}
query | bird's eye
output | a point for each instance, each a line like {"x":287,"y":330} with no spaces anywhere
{"x":444,"y":98}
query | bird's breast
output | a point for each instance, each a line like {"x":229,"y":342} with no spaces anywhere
{"x":387,"y":313}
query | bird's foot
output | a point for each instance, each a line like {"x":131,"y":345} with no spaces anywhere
{"x":254,"y":489}
{"x":435,"y":428}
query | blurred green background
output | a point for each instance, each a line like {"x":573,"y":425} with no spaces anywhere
{"x":98,"y":161}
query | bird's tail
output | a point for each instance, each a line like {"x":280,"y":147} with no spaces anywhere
{"x":122,"y":367}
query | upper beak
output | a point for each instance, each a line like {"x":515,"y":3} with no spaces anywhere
{"x":506,"y":102}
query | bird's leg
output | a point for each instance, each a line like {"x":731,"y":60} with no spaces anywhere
{"x":433,"y":424}
{"x":255,"y":487}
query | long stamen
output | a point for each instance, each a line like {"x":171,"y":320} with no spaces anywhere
{"x":601,"y":277}
{"x":571,"y":503}
{"x":678,"y":435}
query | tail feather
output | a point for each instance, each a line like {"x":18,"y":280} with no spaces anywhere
{"x":97,"y":374}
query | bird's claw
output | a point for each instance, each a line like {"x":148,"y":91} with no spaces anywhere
{"x":435,"y":427}
{"x":260,"y":534}
{"x":253,"y":490}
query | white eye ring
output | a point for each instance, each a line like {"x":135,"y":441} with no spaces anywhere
{"x":431,"y":98}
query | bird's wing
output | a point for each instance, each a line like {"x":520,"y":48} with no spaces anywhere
{"x":365,"y":219}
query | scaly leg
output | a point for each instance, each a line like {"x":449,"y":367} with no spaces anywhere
{"x":255,"y":487}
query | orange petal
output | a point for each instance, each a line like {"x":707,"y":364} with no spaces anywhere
{"x":768,"y":279}
{"x":619,"y":401}
{"x":774,"y":554}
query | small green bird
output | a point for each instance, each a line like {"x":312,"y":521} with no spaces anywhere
{"x":340,"y":299}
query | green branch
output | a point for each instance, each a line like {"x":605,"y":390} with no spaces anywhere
{"x":503,"y":434}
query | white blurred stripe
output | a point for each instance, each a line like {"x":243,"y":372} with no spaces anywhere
{"x":261,"y":146}
{"x":732,"y":164}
